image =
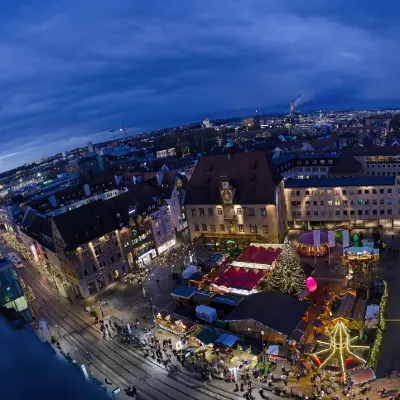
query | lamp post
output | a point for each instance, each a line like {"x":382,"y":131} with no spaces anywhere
{"x":262,"y":349}
{"x":58,"y":331}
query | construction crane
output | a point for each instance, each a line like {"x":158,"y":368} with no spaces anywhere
{"x":124,"y":129}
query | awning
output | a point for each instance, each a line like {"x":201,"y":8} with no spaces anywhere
{"x":362,"y":375}
{"x":207,"y":336}
{"x":189,"y":271}
{"x":183,"y":292}
{"x":227,"y":340}
{"x":273,"y":349}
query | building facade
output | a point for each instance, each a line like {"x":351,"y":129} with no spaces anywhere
{"x":236,"y":199}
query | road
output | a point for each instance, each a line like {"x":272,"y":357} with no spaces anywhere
{"x":122,"y":365}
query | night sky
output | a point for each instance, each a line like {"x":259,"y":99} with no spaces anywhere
{"x":71,"y":68}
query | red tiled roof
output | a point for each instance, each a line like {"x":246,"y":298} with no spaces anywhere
{"x":260,"y":255}
{"x":239,"y":278}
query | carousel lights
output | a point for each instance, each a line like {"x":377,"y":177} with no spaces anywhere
{"x":339,"y":346}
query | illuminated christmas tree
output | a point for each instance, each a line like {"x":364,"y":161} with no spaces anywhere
{"x":288,"y":276}
{"x":339,"y":352}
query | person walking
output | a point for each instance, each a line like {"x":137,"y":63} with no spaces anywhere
{"x":298,"y":378}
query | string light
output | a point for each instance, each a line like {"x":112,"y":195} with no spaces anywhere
{"x":340,"y":346}
{"x":373,"y":356}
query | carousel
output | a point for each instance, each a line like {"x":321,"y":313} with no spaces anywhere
{"x":307,"y":246}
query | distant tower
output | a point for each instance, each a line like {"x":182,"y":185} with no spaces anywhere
{"x":90,"y":147}
{"x":207,"y":123}
{"x":291,"y":108}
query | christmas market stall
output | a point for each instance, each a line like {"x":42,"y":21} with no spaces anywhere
{"x":259,"y":257}
{"x":238,"y":280}
{"x":174,"y":323}
{"x":182,"y":295}
{"x":272,"y":315}
{"x":311,"y":244}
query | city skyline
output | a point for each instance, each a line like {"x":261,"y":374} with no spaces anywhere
{"x":71,"y":69}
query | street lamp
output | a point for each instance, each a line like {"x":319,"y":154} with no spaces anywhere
{"x":262,"y":349}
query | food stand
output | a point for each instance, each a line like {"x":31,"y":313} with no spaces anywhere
{"x":307,"y":247}
{"x":174,"y":323}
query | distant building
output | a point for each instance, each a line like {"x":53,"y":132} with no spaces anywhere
{"x":207,"y":123}
{"x":91,"y":149}
{"x":166,"y":153}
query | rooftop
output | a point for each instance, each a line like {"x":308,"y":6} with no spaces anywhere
{"x":276,"y":310}
{"x":340,"y":182}
{"x":240,"y":278}
{"x":251,"y":174}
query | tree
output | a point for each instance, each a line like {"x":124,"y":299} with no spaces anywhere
{"x":288,"y":276}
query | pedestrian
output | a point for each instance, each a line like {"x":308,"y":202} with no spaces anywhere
{"x":242,"y":387}
{"x":261,"y":392}
{"x":236,"y":387}
{"x":158,"y":282}
{"x":298,"y":378}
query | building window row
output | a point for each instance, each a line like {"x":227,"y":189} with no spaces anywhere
{"x":345,"y":203}
{"x":336,"y":192}
{"x":297,"y":214}
{"x":252,"y":228}
{"x":247,"y":211}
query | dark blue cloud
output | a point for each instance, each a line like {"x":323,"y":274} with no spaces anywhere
{"x":71,"y":68}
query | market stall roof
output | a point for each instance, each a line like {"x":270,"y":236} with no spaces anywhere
{"x":189,"y":271}
{"x":276,"y":310}
{"x":207,"y":336}
{"x":240,"y":278}
{"x":197,"y":276}
{"x":362,"y":375}
{"x":183,"y":292}
{"x":227,"y":339}
{"x":307,"y":238}
{"x":259,"y":255}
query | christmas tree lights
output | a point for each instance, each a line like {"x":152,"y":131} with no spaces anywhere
{"x":340,"y":347}
{"x":288,"y":276}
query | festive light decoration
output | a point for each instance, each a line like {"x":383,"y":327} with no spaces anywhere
{"x":340,"y":347}
{"x":311,"y":284}
{"x":288,"y":276}
{"x":373,"y":355}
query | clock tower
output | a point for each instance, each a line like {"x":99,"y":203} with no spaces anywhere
{"x":227,"y":192}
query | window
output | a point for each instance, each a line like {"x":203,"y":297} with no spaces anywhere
{"x":210,"y":211}
{"x":241,"y":228}
{"x":359,"y":212}
{"x":315,"y":212}
{"x":345,"y":212}
{"x":374,"y":212}
{"x":352,"y":202}
{"x":193,"y":212}
{"x":359,"y":191}
{"x":330,"y":213}
{"x":293,"y":193}
{"x":382,"y":201}
{"x":390,"y":202}
{"x":222,"y":228}
{"x":321,"y":203}
{"x":253,"y":228}
{"x":213,"y":228}
{"x":329,"y":192}
{"x":330,"y":161}
{"x":322,"y":161}
{"x":389,"y":211}
{"x":351,"y":212}
{"x":366,"y":212}
{"x":219,"y":211}
{"x":381,"y":191}
{"x":204,"y":227}
{"x":381,"y":212}
{"x":344,"y":192}
{"x":389,"y":190}
{"x":359,"y":202}
{"x":337,"y":202}
{"x":196,"y":227}
{"x":265,"y":229}
{"x":239,"y":211}
{"x":366,"y":191}
{"x":307,"y":192}
{"x":201,"y":211}
{"x":294,"y":203}
{"x":337,"y":192}
{"x":251,"y":212}
{"x":337,"y":212}
{"x":351,"y":192}
{"x":330,"y":202}
{"x":308,"y":213}
{"x":308,"y":203}
{"x":345,"y":202}
{"x":374,"y":201}
{"x":158,"y":233}
{"x":263,"y":212}
{"x":374,"y":191}
{"x":322,"y":192}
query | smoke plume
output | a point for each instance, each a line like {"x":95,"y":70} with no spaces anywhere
{"x":303,"y":98}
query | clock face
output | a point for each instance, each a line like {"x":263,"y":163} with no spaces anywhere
{"x":226,"y":196}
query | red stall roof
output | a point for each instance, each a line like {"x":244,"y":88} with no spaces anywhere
{"x":260,"y":255}
{"x":240,"y":278}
